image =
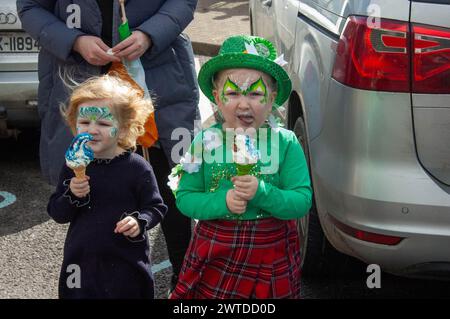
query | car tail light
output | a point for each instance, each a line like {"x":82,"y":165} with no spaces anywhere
{"x":431,"y":67}
{"x":374,"y":58}
{"x":366,"y":236}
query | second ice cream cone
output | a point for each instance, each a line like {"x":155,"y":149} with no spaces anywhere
{"x":244,"y":169}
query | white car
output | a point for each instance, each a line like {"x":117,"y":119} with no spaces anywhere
{"x":18,"y":72}
{"x":371,"y":106}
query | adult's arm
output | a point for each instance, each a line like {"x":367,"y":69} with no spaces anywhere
{"x":52,"y":33}
{"x":167,"y":24}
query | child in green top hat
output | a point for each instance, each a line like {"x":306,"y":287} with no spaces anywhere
{"x":246,"y":182}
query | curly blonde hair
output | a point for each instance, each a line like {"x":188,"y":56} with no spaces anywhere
{"x":127,"y":105}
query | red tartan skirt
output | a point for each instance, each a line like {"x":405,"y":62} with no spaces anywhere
{"x":241,"y":259}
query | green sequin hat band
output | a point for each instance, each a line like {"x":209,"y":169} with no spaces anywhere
{"x":246,"y":52}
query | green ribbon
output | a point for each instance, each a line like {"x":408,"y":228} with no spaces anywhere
{"x":124,"y":31}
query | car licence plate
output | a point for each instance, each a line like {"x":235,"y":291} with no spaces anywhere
{"x":17,"y":42}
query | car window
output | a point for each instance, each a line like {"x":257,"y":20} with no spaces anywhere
{"x":332,"y":5}
{"x":434,"y":1}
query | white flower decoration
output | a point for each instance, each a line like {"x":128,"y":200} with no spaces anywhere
{"x":280,"y":60}
{"x":173,"y":182}
{"x":250,"y":48}
{"x":212,"y":139}
{"x":273,"y":123}
{"x":191,"y":164}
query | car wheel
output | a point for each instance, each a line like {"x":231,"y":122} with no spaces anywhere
{"x":310,"y":242}
{"x":300,"y":132}
{"x":318,"y":256}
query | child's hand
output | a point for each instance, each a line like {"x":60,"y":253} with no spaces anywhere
{"x":235,"y":204}
{"x":128,"y":226}
{"x":80,"y":186}
{"x":245,"y":186}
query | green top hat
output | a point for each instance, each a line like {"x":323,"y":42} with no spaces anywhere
{"x":246,"y":52}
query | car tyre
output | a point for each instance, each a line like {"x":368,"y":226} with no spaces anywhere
{"x":318,"y":257}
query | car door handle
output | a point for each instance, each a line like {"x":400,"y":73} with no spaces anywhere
{"x":267,"y":3}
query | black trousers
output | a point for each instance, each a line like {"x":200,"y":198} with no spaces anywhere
{"x":176,"y":226}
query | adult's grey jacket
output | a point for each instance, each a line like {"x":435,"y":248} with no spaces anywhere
{"x":169,"y":64}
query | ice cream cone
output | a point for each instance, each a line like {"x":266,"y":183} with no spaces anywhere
{"x":79,"y":154}
{"x":243,"y":169}
{"x":245,"y":154}
{"x":80,"y":172}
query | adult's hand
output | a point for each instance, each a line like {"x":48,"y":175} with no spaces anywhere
{"x":93,"y":50}
{"x":133,"y":47}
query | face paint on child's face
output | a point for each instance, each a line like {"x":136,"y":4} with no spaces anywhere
{"x":259,"y":88}
{"x":100,"y":114}
{"x":244,"y":97}
{"x":229,"y":88}
{"x":256,"y":89}
{"x":245,"y":85}
{"x":95,"y":117}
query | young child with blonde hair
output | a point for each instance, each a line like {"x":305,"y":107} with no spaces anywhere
{"x":113,"y":199}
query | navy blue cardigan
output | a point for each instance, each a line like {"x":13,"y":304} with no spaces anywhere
{"x":111,"y":265}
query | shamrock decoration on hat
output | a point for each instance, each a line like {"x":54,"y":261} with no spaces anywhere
{"x":247,"y":52}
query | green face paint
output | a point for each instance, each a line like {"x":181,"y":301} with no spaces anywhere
{"x":229,"y":86}
{"x":96,"y":113}
{"x":256,"y":87}
{"x":223,"y":98}
{"x":113,"y":132}
{"x":259,"y":87}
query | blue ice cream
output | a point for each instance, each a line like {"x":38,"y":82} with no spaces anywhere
{"x":79,"y":154}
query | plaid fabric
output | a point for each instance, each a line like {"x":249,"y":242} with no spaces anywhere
{"x":241,"y":259}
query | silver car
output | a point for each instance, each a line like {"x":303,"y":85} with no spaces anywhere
{"x":18,"y":73}
{"x":371,"y":105}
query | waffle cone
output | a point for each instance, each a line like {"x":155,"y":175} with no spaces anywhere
{"x":80,"y":172}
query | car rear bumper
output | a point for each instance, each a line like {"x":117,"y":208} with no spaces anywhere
{"x":18,"y":95}
{"x":422,"y":254}
{"x":366,"y":175}
{"x":424,"y":228}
